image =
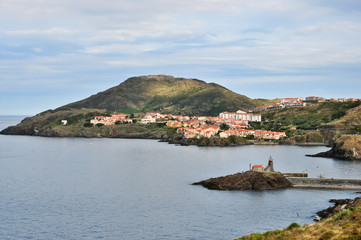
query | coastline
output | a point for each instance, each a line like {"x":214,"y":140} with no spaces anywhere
{"x":141,"y":132}
{"x":340,"y":221}
{"x":48,"y":126}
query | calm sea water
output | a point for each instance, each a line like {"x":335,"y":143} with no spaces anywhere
{"x":76,"y":188}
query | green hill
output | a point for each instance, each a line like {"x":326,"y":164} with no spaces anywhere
{"x":166,"y":94}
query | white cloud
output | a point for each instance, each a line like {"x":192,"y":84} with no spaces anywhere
{"x":51,"y":31}
{"x":83,"y":39}
{"x":123,"y":48}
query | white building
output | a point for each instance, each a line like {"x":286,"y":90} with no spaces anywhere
{"x":240,"y":115}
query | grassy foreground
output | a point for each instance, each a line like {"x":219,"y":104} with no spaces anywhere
{"x":341,"y":226}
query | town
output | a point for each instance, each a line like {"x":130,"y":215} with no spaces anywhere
{"x":233,"y":123}
{"x":226,"y":124}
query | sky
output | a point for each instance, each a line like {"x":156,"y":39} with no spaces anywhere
{"x":54,"y":52}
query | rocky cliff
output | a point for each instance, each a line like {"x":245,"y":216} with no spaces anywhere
{"x":346,"y":147}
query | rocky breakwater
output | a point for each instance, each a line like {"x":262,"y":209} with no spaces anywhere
{"x":250,"y":180}
{"x":346,"y":147}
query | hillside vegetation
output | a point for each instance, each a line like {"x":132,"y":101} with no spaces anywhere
{"x":261,"y":101}
{"x":166,"y":94}
{"x":49,"y":124}
{"x":312,"y":117}
{"x":50,"y":119}
{"x":351,"y":118}
{"x":344,"y":225}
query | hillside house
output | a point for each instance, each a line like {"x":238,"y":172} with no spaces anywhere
{"x":240,"y":115}
{"x":292,"y":100}
{"x":174,"y":124}
{"x":108,"y":121}
{"x":314,"y":98}
{"x":269,"y":135}
{"x":203,"y":131}
{"x":258,"y":168}
{"x":148,"y":119}
{"x":268,"y":168}
{"x":153,"y":114}
{"x":260,"y":134}
{"x":238,"y":132}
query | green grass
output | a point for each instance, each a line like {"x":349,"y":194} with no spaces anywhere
{"x":128,"y":110}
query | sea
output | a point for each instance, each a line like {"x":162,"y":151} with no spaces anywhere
{"x":112,"y":188}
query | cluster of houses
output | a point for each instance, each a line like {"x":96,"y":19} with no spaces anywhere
{"x":207,"y":131}
{"x":152,"y":117}
{"x":322,"y":99}
{"x":345,"y":99}
{"x":300,"y":102}
{"x":113,"y":119}
{"x":258,"y":134}
{"x":197,"y":127}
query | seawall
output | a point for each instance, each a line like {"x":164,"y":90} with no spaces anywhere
{"x":302,"y":182}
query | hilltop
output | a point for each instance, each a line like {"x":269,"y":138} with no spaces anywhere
{"x":166,"y":94}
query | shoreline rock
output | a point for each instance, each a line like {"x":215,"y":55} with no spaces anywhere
{"x":347,"y":147}
{"x":339,"y":205}
{"x":250,"y":180}
{"x":203,"y":142}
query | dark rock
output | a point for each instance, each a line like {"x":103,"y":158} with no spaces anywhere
{"x":338,"y":152}
{"x":339,"y":205}
{"x":249,"y":180}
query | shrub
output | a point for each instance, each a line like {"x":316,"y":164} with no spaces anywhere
{"x":353,"y":209}
{"x":224,"y":126}
{"x":232,"y":139}
{"x":99,"y":124}
{"x":88,"y":124}
{"x":249,"y":137}
{"x":292,"y":225}
{"x":342,"y":214}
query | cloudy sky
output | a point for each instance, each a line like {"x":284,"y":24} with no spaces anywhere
{"x":53,"y":52}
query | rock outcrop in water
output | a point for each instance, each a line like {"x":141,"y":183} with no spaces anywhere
{"x":346,"y":147}
{"x":250,"y":180}
{"x":339,"y":205}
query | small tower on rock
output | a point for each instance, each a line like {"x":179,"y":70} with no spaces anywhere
{"x":269,"y":167}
